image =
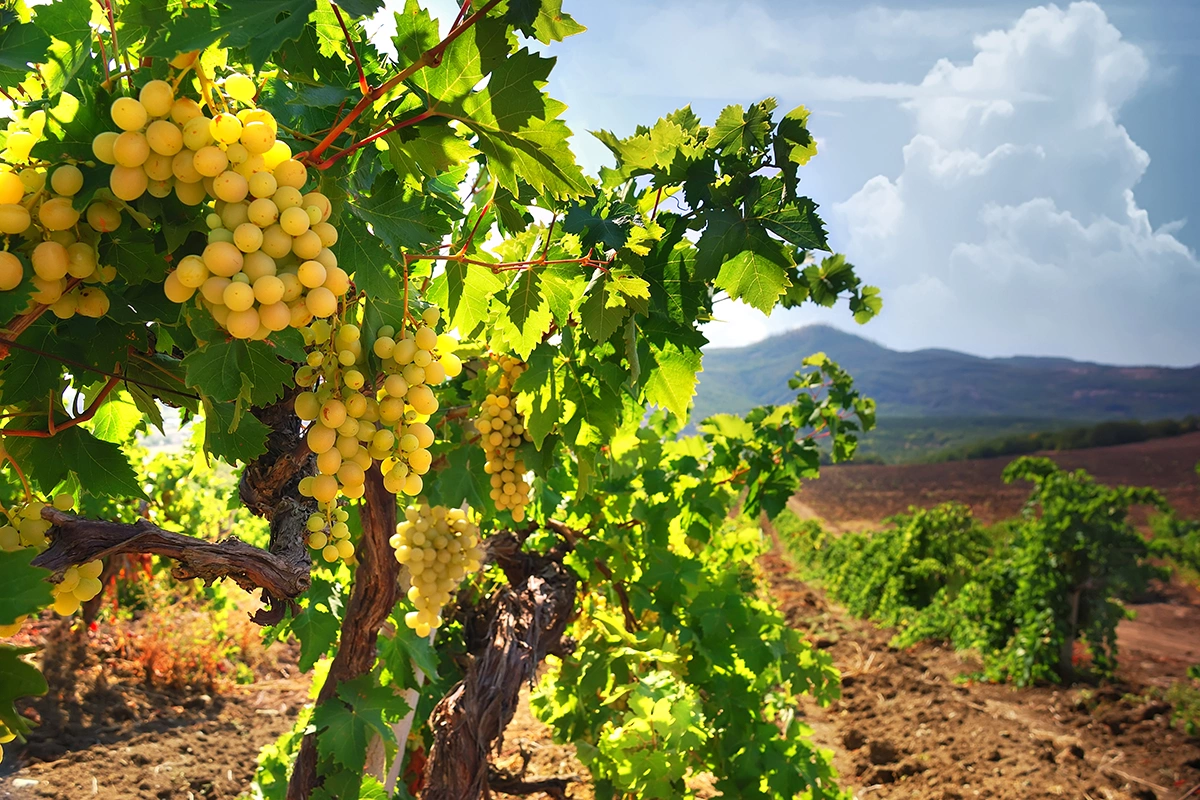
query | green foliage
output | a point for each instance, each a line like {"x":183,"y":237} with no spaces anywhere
{"x":453,"y":183}
{"x":1102,"y":434}
{"x":1021,"y":594}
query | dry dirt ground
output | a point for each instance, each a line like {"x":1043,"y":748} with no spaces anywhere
{"x":857,"y":496}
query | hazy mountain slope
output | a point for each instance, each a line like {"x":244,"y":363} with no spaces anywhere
{"x":943,"y":383}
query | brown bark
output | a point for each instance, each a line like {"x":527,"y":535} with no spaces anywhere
{"x":376,"y":590}
{"x":515,"y":628}
{"x":77,"y":541}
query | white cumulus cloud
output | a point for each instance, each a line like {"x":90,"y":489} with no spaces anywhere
{"x":1013,"y":225}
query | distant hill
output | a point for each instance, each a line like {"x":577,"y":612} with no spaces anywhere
{"x":946,"y":384}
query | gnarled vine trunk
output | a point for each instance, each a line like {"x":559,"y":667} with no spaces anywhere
{"x":513,"y":630}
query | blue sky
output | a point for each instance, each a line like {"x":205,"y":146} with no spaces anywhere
{"x":1017,"y":178}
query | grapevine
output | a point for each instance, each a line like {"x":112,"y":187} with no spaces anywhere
{"x":379,"y":287}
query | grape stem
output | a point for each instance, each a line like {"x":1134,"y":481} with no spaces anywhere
{"x":362,"y":78}
{"x":430,"y":58}
{"x":80,"y":365}
{"x":52,"y":428}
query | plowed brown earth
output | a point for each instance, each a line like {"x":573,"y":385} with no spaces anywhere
{"x":857,"y":496}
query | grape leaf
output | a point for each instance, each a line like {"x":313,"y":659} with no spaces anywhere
{"x":464,"y":291}
{"x":262,"y":27}
{"x":461,"y":480}
{"x":754,"y":277}
{"x":24,"y":589}
{"x":317,"y":626}
{"x":17,"y":679}
{"x":360,"y":8}
{"x":116,"y":420}
{"x":237,"y":369}
{"x":544,"y":20}
{"x":132,"y":252}
{"x":599,"y":319}
{"x":232,"y":435}
{"x":737,"y":131}
{"x":68,"y":23}
{"x":104,"y":467}
{"x":28,"y":374}
{"x":794,"y":146}
{"x":21,"y":44}
{"x":346,"y":723}
{"x":525,"y":297}
{"x":675,"y":360}
{"x":366,"y":257}
{"x":538,"y":393}
{"x":398,"y":216}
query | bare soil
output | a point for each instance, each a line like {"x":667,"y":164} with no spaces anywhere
{"x":858,"y":496}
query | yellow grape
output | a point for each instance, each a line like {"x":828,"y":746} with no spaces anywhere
{"x":14,"y":219}
{"x":307,"y":245}
{"x":257,"y":264}
{"x":268,"y":290}
{"x":158,"y":167}
{"x":191,"y":194}
{"x":127,"y":183}
{"x":102,"y":146}
{"x":67,"y":179}
{"x":311,"y":274}
{"x":239,"y":297}
{"x":131,"y":149}
{"x":197,"y":134}
{"x":157,"y":97}
{"x":81,"y":258}
{"x":321,"y":202}
{"x":294,"y":221}
{"x":11,"y":188}
{"x":103,"y":217}
{"x":223,"y":258}
{"x":210,"y":161}
{"x":291,"y":173}
{"x":184,"y":110}
{"x":175,"y":290}
{"x":12,"y":272}
{"x":321,"y":302}
{"x":276,"y":243}
{"x":257,"y":137}
{"x":240,"y":88}
{"x":50,"y":260}
{"x":128,"y":114}
{"x":164,"y":137}
{"x":248,"y":237}
{"x":66,"y":306}
{"x":275,"y":316}
{"x":264,"y":213}
{"x":57,"y":214}
{"x":183,"y":167}
{"x":93,"y":302}
{"x":243,"y":324}
{"x":226,"y":128}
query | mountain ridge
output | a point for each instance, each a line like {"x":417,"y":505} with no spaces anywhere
{"x":939,"y":382}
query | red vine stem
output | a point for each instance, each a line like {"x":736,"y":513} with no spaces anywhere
{"x":362,"y":78}
{"x":73,"y":421}
{"x":327,"y":163}
{"x":430,"y":58}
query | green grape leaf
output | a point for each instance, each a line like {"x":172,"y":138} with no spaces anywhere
{"x":544,"y":20}
{"x":360,"y":8}
{"x":464,"y":291}
{"x":462,"y":479}
{"x":794,"y":146}
{"x":398,"y":216}
{"x":525,"y":297}
{"x":237,"y":369}
{"x":132,"y":252}
{"x":17,"y":679}
{"x":367,"y":258}
{"x":68,"y":23}
{"x":346,"y":723}
{"x":231,"y":435}
{"x":261,"y":27}
{"x":317,"y":631}
{"x":116,"y":420}
{"x":737,"y":131}
{"x":28,"y":375}
{"x":104,"y":466}
{"x":671,"y":378}
{"x":539,"y":390}
{"x":465,"y":61}
{"x":24,"y":589}
{"x":601,"y":320}
{"x":757,"y":278}
{"x":21,"y":44}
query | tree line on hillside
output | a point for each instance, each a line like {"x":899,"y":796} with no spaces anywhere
{"x":1102,"y":434}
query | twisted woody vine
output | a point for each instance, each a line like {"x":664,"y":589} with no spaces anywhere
{"x":452,"y":371}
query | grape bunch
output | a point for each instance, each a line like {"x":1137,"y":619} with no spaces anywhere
{"x":78,"y":585}
{"x":501,"y":431}
{"x":329,"y":533}
{"x":59,"y":246}
{"x":360,"y":417}
{"x":267,"y":265}
{"x":440,"y":547}
{"x":26,"y":528}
